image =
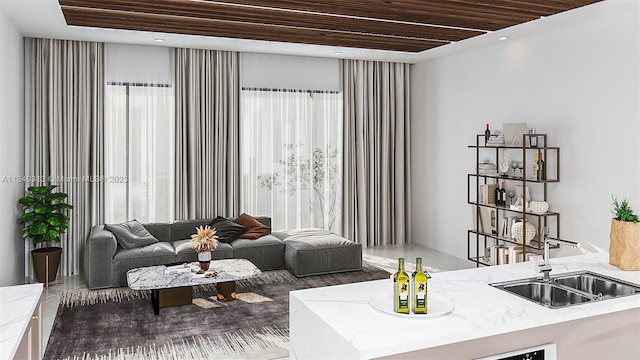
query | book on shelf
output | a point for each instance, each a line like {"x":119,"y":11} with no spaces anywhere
{"x":516,"y":254}
{"x":485,"y":220}
{"x":502,"y":254}
{"x":488,"y":194}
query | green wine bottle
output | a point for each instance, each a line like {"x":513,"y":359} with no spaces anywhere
{"x":401,"y":289}
{"x":419,"y":279}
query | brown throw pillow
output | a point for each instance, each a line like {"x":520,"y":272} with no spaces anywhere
{"x":256,"y":228}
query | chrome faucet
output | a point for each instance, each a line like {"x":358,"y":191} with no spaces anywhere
{"x":545,"y":268}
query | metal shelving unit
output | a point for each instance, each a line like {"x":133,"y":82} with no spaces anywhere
{"x":480,"y":241}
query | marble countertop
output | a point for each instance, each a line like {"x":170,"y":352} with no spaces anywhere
{"x":480,"y":310}
{"x":17,"y":304}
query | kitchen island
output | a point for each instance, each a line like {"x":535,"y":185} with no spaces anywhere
{"x":21,"y":322}
{"x":339,"y":322}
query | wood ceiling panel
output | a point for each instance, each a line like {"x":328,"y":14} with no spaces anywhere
{"x":473,"y":14}
{"x":399,"y":25}
{"x":159,"y":23}
{"x":232,"y":12}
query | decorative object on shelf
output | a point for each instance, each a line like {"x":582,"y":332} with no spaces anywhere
{"x":522,"y":193}
{"x":624,"y":248}
{"x":486,"y":167}
{"x":514,"y":166}
{"x":513,"y":133}
{"x":538,"y":207}
{"x":204,"y":242}
{"x":517,"y":231}
{"x":43,"y":213}
{"x":533,"y":140}
{"x":521,"y":168}
{"x":504,"y":164}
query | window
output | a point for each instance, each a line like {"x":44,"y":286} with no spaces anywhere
{"x":139,"y":152}
{"x":292,"y":156}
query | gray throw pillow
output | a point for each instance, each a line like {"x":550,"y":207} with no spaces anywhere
{"x":227,"y":230}
{"x":131,"y":235}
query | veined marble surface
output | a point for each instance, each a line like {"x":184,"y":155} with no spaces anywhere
{"x":339,"y":322}
{"x":162,"y":277}
{"x":17,"y":304}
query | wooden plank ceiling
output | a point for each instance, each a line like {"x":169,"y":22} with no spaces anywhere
{"x":397,"y":25}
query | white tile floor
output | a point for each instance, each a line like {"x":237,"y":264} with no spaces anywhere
{"x":385,"y":256}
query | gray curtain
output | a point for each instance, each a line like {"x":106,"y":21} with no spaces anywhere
{"x":376,"y":191}
{"x":207,"y":85}
{"x":66,"y":131}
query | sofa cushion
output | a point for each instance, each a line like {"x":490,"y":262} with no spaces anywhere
{"x":131,"y":235}
{"x":161,"y":231}
{"x":227,"y":230}
{"x":255,"y":228}
{"x":266,"y":252}
{"x":183,"y":229}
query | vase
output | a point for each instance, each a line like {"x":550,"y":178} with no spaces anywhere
{"x":624,"y":249}
{"x":204,"y":258}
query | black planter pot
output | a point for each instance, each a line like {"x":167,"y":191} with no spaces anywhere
{"x":46,"y":270}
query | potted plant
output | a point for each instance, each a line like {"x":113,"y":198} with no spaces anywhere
{"x":624,"y":249}
{"x":43,"y":213}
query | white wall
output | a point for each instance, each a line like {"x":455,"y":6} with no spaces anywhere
{"x":290,"y":72}
{"x":12,"y":150}
{"x":579,"y":84}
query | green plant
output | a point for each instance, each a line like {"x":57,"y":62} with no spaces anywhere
{"x":43,"y":213}
{"x":622,"y":211}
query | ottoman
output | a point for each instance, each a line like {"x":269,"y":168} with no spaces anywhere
{"x":318,"y":251}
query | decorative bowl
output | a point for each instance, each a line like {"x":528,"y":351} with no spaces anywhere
{"x":538,"y":207}
{"x":529,"y":233}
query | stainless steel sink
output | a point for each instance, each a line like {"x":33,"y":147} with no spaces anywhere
{"x":569,"y":289}
{"x":596,"y":284}
{"x":547,"y":294}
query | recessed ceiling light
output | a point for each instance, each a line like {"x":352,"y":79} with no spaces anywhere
{"x":338,"y":52}
{"x":159,"y":40}
{"x":503,"y":38}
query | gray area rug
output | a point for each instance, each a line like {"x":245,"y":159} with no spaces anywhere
{"x":120,"y":324}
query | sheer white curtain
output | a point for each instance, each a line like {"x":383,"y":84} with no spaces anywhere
{"x":139,"y":133}
{"x":139,"y":128}
{"x":292,"y":156}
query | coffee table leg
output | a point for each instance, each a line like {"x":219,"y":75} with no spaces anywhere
{"x":226,"y":291}
{"x":155,"y":300}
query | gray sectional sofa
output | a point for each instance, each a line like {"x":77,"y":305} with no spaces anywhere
{"x":303,"y":252}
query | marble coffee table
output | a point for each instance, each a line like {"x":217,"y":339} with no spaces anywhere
{"x":172,"y":285}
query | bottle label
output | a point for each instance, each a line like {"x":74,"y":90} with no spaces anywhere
{"x":421,"y":295}
{"x":403,"y":295}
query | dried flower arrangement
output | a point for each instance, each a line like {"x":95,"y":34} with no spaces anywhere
{"x":205,"y":239}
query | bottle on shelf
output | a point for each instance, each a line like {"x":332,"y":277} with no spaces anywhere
{"x":487,"y":134}
{"x":401,"y":289}
{"x":503,"y":195}
{"x":497,"y":193}
{"x":419,"y":288}
{"x":536,"y":166}
{"x":541,"y":168}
